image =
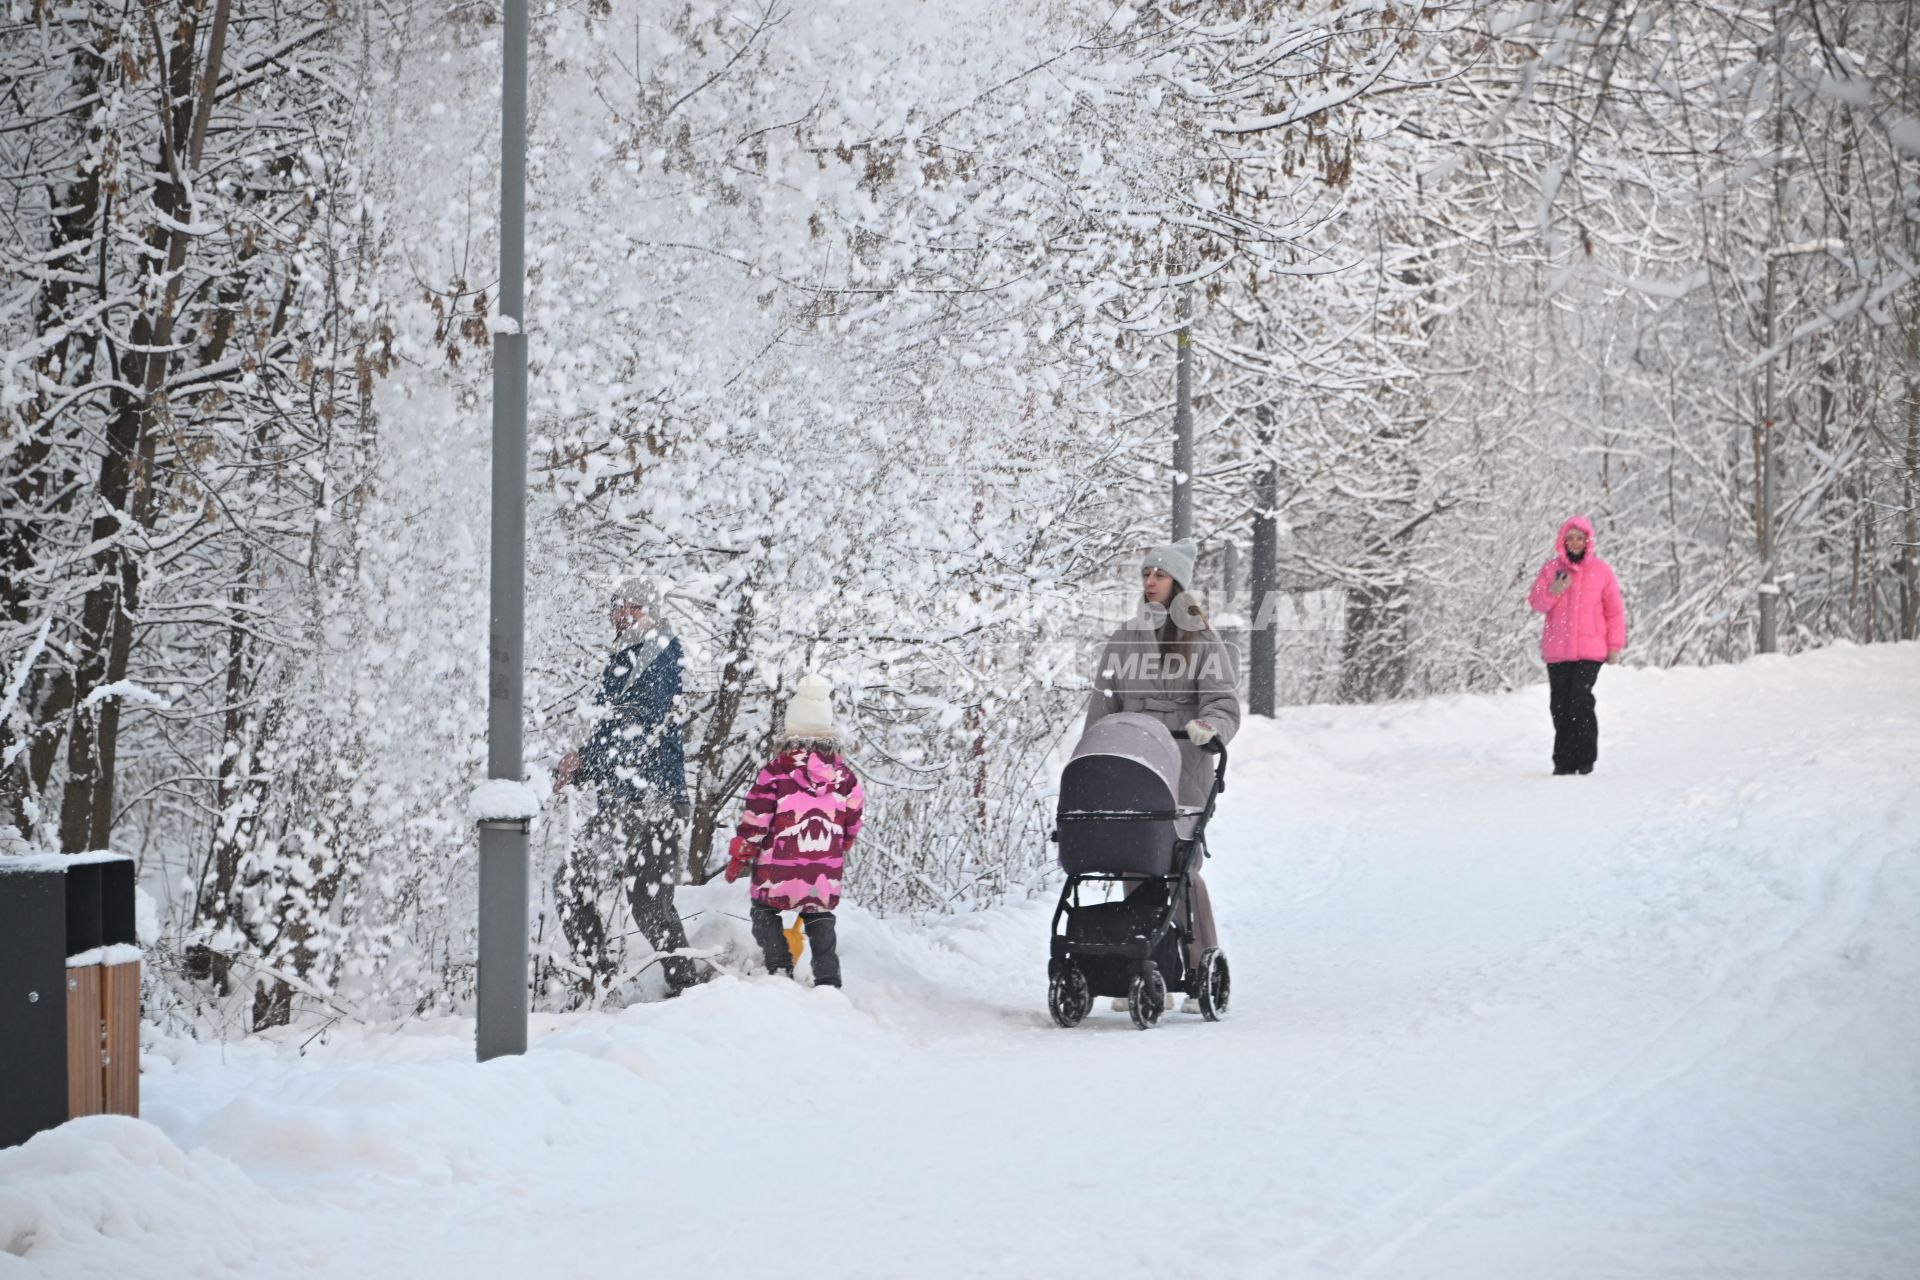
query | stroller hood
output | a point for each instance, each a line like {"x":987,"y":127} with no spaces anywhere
{"x":1117,"y":799}
{"x":1129,"y":736}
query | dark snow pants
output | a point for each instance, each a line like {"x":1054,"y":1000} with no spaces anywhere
{"x":1205,"y":935}
{"x":644,"y":852}
{"x":655,"y":868}
{"x":1576,"y":729}
{"x":821,"y":940}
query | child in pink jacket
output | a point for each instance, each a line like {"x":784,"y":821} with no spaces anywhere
{"x":803,"y":815}
{"x":1586,"y":626}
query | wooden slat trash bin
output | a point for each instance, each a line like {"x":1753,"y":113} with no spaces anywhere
{"x":69,"y":991}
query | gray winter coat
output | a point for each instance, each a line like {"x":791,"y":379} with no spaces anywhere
{"x":1196,"y":681}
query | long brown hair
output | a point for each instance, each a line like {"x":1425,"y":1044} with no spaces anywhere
{"x":1174,"y":637}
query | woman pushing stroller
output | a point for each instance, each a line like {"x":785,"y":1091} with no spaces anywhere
{"x":1166,"y":662}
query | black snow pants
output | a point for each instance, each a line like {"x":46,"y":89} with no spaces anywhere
{"x":656,"y":866}
{"x":644,"y":850}
{"x":1576,"y":729}
{"x":821,"y":940}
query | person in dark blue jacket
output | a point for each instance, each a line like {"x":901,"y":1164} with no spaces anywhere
{"x":636,"y":762}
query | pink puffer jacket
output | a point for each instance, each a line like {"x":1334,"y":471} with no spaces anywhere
{"x":1587,"y":620}
{"x":803,"y":815}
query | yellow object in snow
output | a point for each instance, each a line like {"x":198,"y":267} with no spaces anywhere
{"x":797,"y":936}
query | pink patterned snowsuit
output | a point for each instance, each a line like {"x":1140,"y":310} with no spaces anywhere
{"x":802,"y":816}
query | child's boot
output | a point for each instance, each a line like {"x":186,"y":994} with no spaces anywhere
{"x":773,"y":942}
{"x":826,"y":953}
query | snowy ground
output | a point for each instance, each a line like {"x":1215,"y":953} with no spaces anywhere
{"x":1488,"y":1023}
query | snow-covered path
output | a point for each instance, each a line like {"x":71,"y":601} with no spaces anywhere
{"x":1488,"y":1023}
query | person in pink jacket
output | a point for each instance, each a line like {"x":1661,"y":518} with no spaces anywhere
{"x":1586,"y":626}
{"x":803,"y":814}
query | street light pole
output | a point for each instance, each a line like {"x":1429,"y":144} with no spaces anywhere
{"x":1183,"y":423}
{"x":1769,"y":638}
{"x":1266,"y":571}
{"x":501,"y":1025}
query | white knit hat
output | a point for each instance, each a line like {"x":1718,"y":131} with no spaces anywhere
{"x":810,"y":713}
{"x":1175,"y":559}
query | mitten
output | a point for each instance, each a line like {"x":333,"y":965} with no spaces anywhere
{"x":1200,"y":733}
{"x":740,"y":856}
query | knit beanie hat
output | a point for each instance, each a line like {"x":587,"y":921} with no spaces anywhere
{"x":810,"y":713}
{"x":638,"y":592}
{"x":1175,"y":559}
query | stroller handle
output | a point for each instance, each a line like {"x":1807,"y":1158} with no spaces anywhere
{"x":1215,"y":747}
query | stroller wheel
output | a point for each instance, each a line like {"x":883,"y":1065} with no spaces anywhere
{"x":1068,"y":998}
{"x":1146,"y":997}
{"x":1216,"y":985}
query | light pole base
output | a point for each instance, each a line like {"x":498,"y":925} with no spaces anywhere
{"x":501,"y":1025}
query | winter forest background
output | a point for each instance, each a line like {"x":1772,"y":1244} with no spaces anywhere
{"x":853,"y":323}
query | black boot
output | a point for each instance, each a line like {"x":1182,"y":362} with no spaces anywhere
{"x":773,"y":942}
{"x":826,"y":951}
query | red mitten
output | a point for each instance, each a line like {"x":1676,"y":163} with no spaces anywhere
{"x":740,"y":855}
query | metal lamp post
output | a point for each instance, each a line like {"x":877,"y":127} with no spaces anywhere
{"x":1183,"y":422}
{"x":1266,"y":546}
{"x":501,"y":1025}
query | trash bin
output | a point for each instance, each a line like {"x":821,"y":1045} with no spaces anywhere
{"x":69,"y":991}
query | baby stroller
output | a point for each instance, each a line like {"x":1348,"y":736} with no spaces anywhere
{"x":1119,"y":823}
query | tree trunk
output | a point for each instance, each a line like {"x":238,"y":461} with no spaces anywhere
{"x":127,"y":481}
{"x":105,"y":639}
{"x":716,"y":788}
{"x":28,"y":482}
{"x":1373,"y":665}
{"x":214,"y":902}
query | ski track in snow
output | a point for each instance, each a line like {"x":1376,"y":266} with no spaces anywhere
{"x":1712,"y":1024}
{"x":1489,"y":1023}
